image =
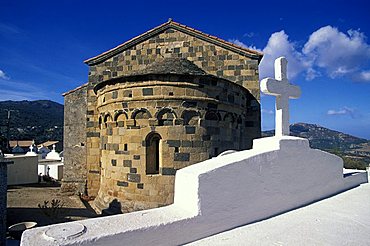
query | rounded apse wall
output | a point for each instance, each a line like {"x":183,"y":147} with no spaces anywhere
{"x":152,"y":125}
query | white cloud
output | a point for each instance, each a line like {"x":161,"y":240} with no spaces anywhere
{"x":327,"y":52}
{"x":279,"y":45}
{"x":267,"y":111}
{"x":3,"y":75}
{"x":344,"y":111}
{"x":249,"y":34}
{"x":21,"y":90}
{"x":238,"y":42}
{"x":243,"y":45}
{"x":363,"y":76}
{"x":339,"y":54}
{"x":8,"y":29}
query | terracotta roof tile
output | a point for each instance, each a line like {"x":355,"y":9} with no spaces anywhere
{"x":48,"y":143}
{"x":21,"y":143}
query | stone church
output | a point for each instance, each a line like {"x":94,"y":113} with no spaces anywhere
{"x":166,"y":99}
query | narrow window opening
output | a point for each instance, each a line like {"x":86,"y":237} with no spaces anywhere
{"x":153,"y":153}
{"x":125,"y":147}
{"x":176,"y":149}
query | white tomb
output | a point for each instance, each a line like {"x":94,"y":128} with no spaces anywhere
{"x":52,"y":165}
{"x":279,"y":174}
{"x":32,"y":151}
{"x":53,"y":154}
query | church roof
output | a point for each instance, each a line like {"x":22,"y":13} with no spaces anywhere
{"x":73,"y":90}
{"x":165,"y":66}
{"x":48,"y":143}
{"x":172,"y":66}
{"x":182,"y":28}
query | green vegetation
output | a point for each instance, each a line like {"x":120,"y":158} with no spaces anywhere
{"x":335,"y":142}
{"x":351,"y":163}
{"x":40,"y":120}
{"x":52,"y":209}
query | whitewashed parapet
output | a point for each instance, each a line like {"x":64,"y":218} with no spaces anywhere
{"x":277,"y":175}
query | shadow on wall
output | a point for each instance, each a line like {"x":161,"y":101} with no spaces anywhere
{"x":113,"y":208}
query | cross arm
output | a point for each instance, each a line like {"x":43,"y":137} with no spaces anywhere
{"x":273,"y":87}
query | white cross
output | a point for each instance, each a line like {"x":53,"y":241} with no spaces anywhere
{"x":283,"y":90}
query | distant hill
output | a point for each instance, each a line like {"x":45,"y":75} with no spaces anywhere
{"x":321,"y":137}
{"x":354,"y":151}
{"x":40,"y":120}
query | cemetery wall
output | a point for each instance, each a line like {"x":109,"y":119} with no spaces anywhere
{"x":23,"y":171}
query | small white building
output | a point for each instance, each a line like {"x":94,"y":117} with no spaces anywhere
{"x":52,"y":168}
{"x":45,"y":148}
{"x":52,"y":165}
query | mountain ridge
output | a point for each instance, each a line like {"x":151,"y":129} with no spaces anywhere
{"x":321,"y":137}
{"x":354,"y":151}
{"x":38,"y":120}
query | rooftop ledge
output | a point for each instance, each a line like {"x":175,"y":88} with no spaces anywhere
{"x":279,"y":174}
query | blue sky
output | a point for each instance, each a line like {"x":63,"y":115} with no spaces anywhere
{"x":43,"y":45}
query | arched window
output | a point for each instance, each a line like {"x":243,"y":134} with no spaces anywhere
{"x":153,"y":147}
{"x":100,"y":122}
{"x":120,"y":119}
{"x":165,"y":117}
{"x":229,"y":118}
{"x":190,"y":117}
{"x":108,"y":121}
{"x":141,"y":117}
{"x":107,"y":125}
{"x":239,"y":121}
{"x":210,"y":115}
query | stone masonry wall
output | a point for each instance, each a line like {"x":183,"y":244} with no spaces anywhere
{"x":195,"y":119}
{"x":75,"y":171}
{"x":211,"y":58}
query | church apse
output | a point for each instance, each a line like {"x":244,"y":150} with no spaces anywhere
{"x":168,"y":121}
{"x":164,"y":100}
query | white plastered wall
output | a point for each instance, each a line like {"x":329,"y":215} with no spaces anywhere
{"x":277,"y":175}
{"x":23,"y":171}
